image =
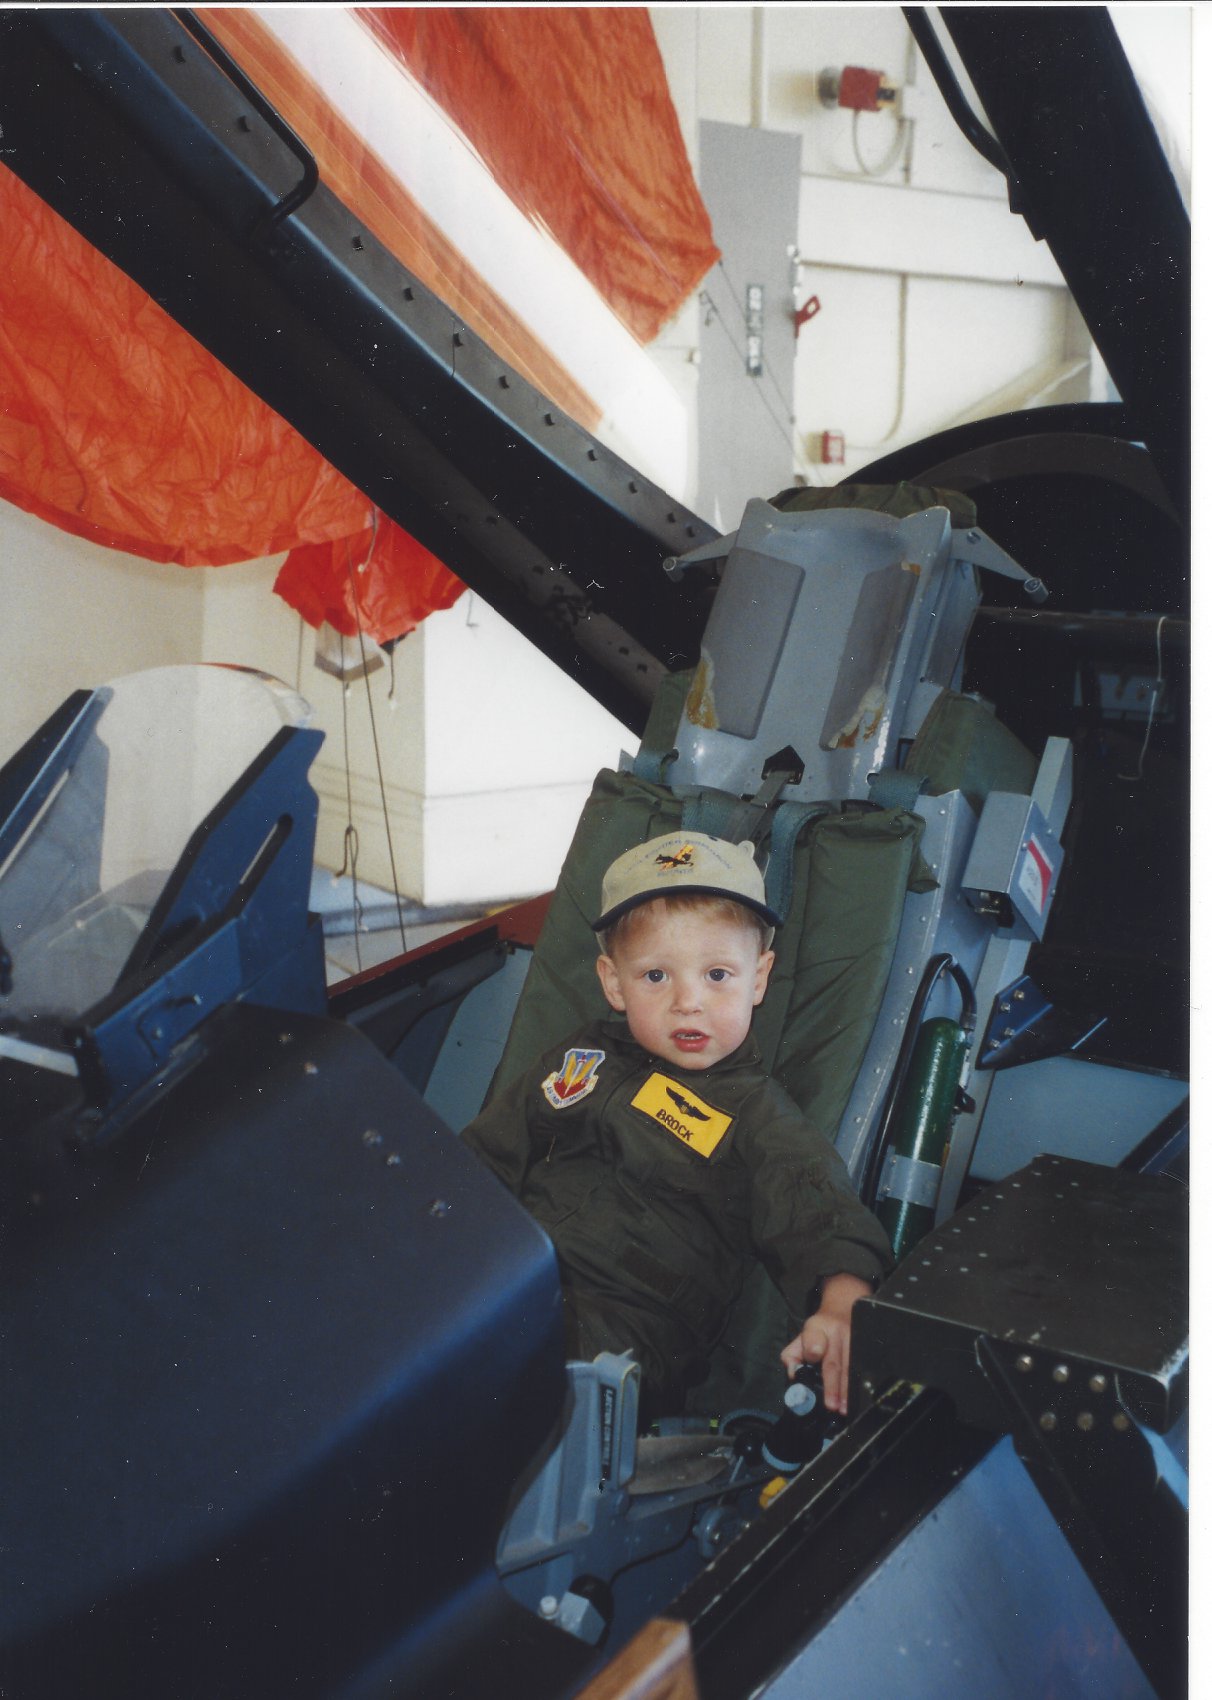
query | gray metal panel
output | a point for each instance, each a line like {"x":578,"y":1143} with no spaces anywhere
{"x":1004,"y":961}
{"x":983,"y":1598}
{"x":576,"y":1493}
{"x":594,"y":1506}
{"x":744,"y":423}
{"x":750,"y":619}
{"x":860,"y":691}
{"x":1016,"y":856}
{"x":1070,"y":1108}
{"x":1053,"y":788}
{"x":837,"y":551}
{"x":939,"y":921}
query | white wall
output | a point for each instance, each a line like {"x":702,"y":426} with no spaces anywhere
{"x":75,"y":615}
{"x":487,"y":750}
{"x":245,"y":623}
{"x":935,"y":332}
{"x":511,"y":746}
{"x":936,"y":303}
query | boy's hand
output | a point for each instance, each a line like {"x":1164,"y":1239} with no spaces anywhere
{"x":825,"y":1338}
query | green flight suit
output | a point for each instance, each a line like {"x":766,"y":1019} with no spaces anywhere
{"x":660,"y":1185}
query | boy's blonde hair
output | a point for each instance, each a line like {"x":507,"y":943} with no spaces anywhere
{"x":684,"y":902}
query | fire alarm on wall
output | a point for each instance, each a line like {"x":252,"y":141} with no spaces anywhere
{"x":855,"y":88}
{"x":833,"y":448}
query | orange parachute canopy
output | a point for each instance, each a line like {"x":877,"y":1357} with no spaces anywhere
{"x":569,"y":107}
{"x":117,"y":426}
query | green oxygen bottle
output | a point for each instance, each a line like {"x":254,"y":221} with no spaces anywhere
{"x":917,"y":1147}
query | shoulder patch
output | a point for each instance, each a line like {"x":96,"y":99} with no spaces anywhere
{"x":692,"y":1120}
{"x":574,"y":1080}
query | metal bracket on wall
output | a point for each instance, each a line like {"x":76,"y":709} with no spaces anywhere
{"x":1024,"y":1026}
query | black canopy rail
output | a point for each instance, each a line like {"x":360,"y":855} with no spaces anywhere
{"x":129,"y":128}
{"x":1085,"y":163}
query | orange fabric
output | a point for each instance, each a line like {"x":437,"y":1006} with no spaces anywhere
{"x":357,"y":176}
{"x":395,"y":581}
{"x":569,"y":108}
{"x":117,"y":426}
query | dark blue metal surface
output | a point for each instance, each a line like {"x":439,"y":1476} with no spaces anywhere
{"x":277,"y":1346}
{"x":273,"y":1359}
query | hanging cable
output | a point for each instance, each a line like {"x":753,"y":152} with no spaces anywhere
{"x":892,"y":154}
{"x":1159,"y":684}
{"x":374,"y":731}
{"x":902,"y":349}
{"x":349,"y":855}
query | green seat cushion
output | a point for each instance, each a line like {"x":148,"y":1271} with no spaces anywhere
{"x":898,"y":500}
{"x":961,"y":746}
{"x":562,"y":990}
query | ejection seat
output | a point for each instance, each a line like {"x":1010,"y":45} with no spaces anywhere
{"x":905,"y":830}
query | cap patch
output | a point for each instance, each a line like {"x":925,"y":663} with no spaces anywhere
{"x":574,"y":1080}
{"x":683,"y":862}
{"x":691,"y":1119}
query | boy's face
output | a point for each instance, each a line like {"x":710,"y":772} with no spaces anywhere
{"x":687,"y":982}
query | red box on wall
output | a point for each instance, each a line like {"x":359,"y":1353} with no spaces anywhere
{"x":859,"y":90}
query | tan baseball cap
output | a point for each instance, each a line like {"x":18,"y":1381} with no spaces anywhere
{"x":683,"y":862}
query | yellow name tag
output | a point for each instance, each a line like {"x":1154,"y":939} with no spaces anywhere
{"x":682,"y":1113}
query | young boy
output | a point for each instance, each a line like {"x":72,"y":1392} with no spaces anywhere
{"x":660,"y":1158}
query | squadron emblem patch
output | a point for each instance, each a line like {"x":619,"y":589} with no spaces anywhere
{"x":575,"y":1080}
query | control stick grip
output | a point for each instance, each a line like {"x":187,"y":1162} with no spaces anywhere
{"x":804,"y":1424}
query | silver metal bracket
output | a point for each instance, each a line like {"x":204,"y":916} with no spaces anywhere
{"x":910,"y":1180}
{"x":979,"y":550}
